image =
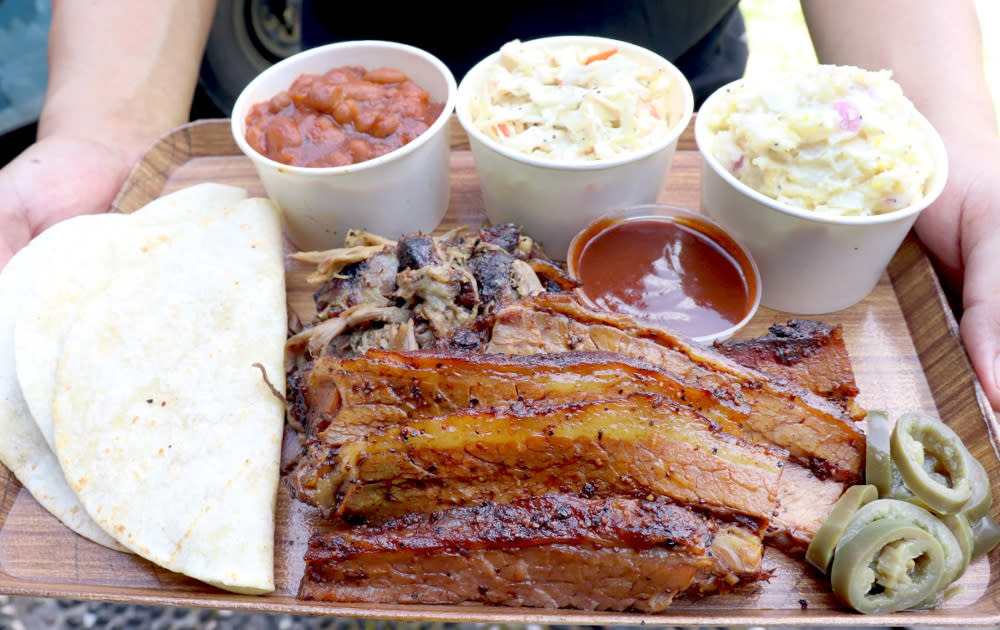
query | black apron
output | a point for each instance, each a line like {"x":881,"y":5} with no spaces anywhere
{"x":705,"y":39}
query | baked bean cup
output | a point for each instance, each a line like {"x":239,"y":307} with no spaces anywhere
{"x":352,"y":135}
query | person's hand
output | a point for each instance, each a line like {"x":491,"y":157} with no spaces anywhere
{"x":54,"y":179}
{"x":968,"y":258}
{"x":101,"y":110}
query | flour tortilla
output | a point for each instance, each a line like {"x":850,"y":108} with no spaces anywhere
{"x":78,"y":257}
{"x":23,"y":450}
{"x":164,"y":425}
{"x":71,"y":261}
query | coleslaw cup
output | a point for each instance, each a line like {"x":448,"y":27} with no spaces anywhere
{"x":553,"y":200}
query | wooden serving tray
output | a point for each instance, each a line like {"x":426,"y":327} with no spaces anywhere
{"x":905,"y":350}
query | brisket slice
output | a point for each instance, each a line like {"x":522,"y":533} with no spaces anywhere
{"x":804,"y":502}
{"x":637,"y":445}
{"x":382,"y":388}
{"x":379,"y":389}
{"x":369,"y":393}
{"x":550,"y":551}
{"x":805,"y":353}
{"x":816,"y":432}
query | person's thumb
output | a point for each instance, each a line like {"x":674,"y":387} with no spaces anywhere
{"x":980,"y":329}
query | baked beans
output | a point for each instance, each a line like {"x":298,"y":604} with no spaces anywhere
{"x":345,"y":116}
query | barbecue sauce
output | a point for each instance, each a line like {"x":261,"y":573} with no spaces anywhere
{"x":672,"y":273}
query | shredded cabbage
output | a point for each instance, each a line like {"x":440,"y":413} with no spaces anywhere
{"x":574,"y":103}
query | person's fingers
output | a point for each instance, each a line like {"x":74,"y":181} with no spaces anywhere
{"x":980,"y":329}
{"x":6,"y":253}
{"x":980,"y":325}
{"x":15,"y":231}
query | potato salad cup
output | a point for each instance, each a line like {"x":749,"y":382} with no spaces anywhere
{"x":564,"y":128}
{"x":847,"y":165}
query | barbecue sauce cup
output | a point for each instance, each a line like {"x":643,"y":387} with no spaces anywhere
{"x":667,"y":267}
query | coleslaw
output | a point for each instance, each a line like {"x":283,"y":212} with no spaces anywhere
{"x":573,"y":103}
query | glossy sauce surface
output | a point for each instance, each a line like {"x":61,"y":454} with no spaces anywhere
{"x":345,"y":116}
{"x":665,"y":272}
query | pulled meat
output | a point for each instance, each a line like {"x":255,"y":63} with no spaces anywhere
{"x":444,"y":285}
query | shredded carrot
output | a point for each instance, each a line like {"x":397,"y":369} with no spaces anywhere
{"x":601,"y":56}
{"x":504,"y":130}
{"x":649,"y":109}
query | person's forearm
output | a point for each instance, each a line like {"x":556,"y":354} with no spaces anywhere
{"x":126,"y":69}
{"x":933,"y":47}
{"x":934,"y":50}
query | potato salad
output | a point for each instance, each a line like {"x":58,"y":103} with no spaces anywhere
{"x":573,"y":103}
{"x":837,"y":140}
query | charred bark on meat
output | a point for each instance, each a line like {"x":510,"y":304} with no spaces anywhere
{"x":635,"y":554}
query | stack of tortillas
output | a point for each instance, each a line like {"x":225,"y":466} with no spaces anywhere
{"x":137,"y":359}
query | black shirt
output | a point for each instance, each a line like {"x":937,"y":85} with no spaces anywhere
{"x":705,"y":39}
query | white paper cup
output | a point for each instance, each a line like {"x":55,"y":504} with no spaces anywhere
{"x":552,"y":201}
{"x":809,"y":263}
{"x":404,"y":191}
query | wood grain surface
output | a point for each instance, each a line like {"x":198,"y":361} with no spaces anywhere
{"x":904,"y":347}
